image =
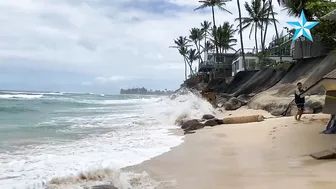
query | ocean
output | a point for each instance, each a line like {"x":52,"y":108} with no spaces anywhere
{"x":48,"y":139}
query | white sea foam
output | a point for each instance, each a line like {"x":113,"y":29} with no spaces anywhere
{"x":138,"y":101}
{"x":20,"y":96}
{"x":129,"y":140}
{"x":189,"y":105}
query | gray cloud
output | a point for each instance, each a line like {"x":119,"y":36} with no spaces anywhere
{"x":98,"y":38}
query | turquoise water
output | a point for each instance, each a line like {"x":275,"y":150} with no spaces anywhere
{"x":55,"y":135}
{"x":27,"y":118}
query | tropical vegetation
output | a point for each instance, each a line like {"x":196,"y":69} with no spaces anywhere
{"x":209,"y":37}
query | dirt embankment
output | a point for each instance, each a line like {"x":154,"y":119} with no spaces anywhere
{"x":272,"y":89}
{"x":278,"y":97}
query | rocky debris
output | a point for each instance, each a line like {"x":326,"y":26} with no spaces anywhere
{"x":189,"y":132}
{"x":233,"y":104}
{"x":181,"y":119}
{"x":208,"y":116}
{"x":210,"y":123}
{"x":105,"y":186}
{"x":210,"y":96}
{"x":244,"y":99}
{"x":219,"y":121}
{"x":189,"y":123}
{"x":195,"y":126}
{"x":201,"y":86}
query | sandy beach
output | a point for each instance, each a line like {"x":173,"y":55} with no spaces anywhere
{"x":269,"y":154}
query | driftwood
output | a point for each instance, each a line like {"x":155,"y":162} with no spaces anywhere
{"x":243,"y":119}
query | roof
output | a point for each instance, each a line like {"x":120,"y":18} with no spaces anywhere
{"x":331,"y":75}
{"x":330,"y":16}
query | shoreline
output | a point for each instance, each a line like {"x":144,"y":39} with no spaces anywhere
{"x":258,"y":155}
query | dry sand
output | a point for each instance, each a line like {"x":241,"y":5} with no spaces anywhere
{"x":269,"y":154}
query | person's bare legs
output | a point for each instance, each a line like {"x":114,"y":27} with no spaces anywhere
{"x":300,"y":112}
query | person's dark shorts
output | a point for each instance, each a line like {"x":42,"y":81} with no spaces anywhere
{"x":300,"y":107}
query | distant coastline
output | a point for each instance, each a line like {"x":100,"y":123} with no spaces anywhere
{"x":144,"y":91}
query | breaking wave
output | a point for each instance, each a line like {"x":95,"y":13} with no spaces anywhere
{"x":112,"y":134}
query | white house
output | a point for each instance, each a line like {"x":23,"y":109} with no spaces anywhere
{"x":251,"y":62}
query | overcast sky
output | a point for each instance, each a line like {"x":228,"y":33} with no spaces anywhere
{"x":99,"y":45}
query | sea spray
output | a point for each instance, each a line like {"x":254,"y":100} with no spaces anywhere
{"x":116,"y":178}
{"x":78,"y":133}
{"x":184,"y":104}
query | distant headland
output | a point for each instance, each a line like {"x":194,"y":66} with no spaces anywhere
{"x":144,"y":91}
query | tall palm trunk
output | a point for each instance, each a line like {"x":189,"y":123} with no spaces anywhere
{"x":241,"y":36}
{"x":215,"y":32}
{"x":205,"y":49}
{"x":266,"y":25}
{"x":185,"y":69}
{"x":197,"y":48}
{"x":262,"y":41}
{"x":191,"y":71}
{"x":199,"y":51}
{"x":256,"y":37}
{"x":276,"y":31}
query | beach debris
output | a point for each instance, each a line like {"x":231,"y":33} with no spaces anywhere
{"x":211,"y":123}
{"x":208,"y":116}
{"x":325,"y":154}
{"x":219,"y":121}
{"x":233,"y":104}
{"x":243,"y":119}
{"x":189,"y":123}
{"x":189,"y":132}
{"x":105,"y":186}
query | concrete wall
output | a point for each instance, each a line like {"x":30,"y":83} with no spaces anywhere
{"x":308,"y":49}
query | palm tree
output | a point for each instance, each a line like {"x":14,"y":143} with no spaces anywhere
{"x":209,"y":46}
{"x":205,"y":29}
{"x":241,"y":35}
{"x":182,"y":44}
{"x":214,"y":3}
{"x":196,"y":36}
{"x":275,"y":27}
{"x":225,"y":36}
{"x":257,"y":16}
{"x":295,"y":7}
{"x":192,"y":56}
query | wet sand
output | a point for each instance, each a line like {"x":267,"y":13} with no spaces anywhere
{"x":269,"y":154}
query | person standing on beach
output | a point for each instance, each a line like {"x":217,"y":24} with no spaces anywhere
{"x":299,"y":101}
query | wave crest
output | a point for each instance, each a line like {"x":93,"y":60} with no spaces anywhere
{"x":20,"y":96}
{"x":116,"y":178}
{"x":184,"y":104}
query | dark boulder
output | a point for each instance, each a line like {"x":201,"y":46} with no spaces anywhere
{"x":210,"y":123}
{"x":194,"y":126}
{"x":219,"y":121}
{"x":233,"y":104}
{"x":208,"y":116}
{"x":189,"y":123}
